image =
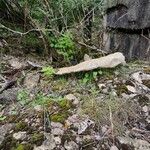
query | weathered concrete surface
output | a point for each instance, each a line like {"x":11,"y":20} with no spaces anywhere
{"x":128,"y":28}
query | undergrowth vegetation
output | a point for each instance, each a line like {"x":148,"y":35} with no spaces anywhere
{"x":51,"y":27}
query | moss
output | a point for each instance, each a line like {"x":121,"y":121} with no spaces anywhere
{"x":37,"y":138}
{"x":24,"y":147}
{"x":65,"y":104}
{"x":59,"y":84}
{"x":60,"y":117}
{"x":21,"y":126}
{"x":50,"y":103}
{"x":12,"y":118}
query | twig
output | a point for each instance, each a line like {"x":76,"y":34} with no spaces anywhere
{"x":92,"y":47}
{"x":112,"y":125}
{"x":24,"y":33}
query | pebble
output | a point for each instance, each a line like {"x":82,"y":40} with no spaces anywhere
{"x":57,"y":140}
{"x":20,"y":135}
{"x":71,"y":145}
{"x":57,"y":131}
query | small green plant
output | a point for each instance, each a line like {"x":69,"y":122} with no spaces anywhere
{"x":65,"y":46}
{"x":48,"y":71}
{"x":40,"y":99}
{"x":88,"y":77}
{"x":23,"y":97}
{"x":2,"y":118}
{"x":31,"y":40}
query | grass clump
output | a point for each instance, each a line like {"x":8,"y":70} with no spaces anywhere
{"x":37,"y":138}
{"x":59,"y":117}
{"x":100,"y":109}
{"x":24,"y":147}
{"x":23,"y":97}
{"x":21,"y":126}
{"x":48,"y":71}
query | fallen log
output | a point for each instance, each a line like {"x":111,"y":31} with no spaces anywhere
{"x":109,"y":61}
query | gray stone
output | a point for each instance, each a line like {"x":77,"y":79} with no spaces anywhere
{"x":137,"y":144}
{"x":48,"y":144}
{"x":4,"y":129}
{"x":71,"y":145}
{"x":57,"y":131}
{"x":20,"y":135}
{"x":31,"y":80}
{"x":9,"y":96}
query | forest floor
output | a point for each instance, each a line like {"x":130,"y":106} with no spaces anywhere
{"x":106,"y":109}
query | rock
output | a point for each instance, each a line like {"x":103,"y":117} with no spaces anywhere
{"x":87,"y":57}
{"x":109,"y":61}
{"x":16,"y":64}
{"x":57,"y":131}
{"x":131,"y":89}
{"x":57,"y":140}
{"x":104,"y":129}
{"x":72,"y":98}
{"x":48,"y":144}
{"x":38,"y":108}
{"x":20,"y":135}
{"x":56,"y":125}
{"x":101,"y":86}
{"x":114,"y":148}
{"x":136,"y":144}
{"x":139,"y":76}
{"x":79,"y":122}
{"x":31,"y":80}
{"x":145,"y":109}
{"x":105,"y":91}
{"x":4,"y":129}
{"x":125,"y":96}
{"x":71,"y":145}
{"x":9,"y":96}
{"x":141,"y":145}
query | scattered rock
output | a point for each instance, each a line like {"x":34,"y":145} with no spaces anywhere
{"x":56,"y":125}
{"x":38,"y":108}
{"x":87,"y":57}
{"x":31,"y":80}
{"x":16,"y":64}
{"x":20,"y":135}
{"x":57,"y":140}
{"x":57,"y":131}
{"x":139,"y":76}
{"x":145,"y":109}
{"x":81,"y":123}
{"x":114,"y":148}
{"x":136,"y":144}
{"x":9,"y":96}
{"x":101,"y":86}
{"x":71,"y":145}
{"x":72,"y":98}
{"x":48,"y":144}
{"x":4,"y":129}
{"x":131,"y":89}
